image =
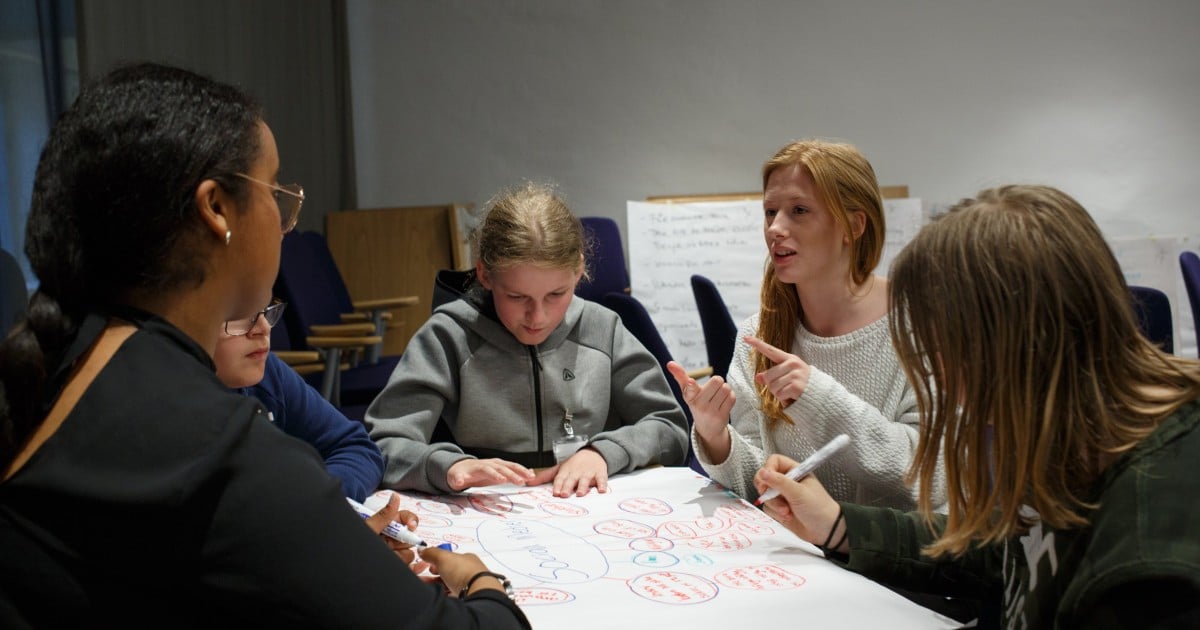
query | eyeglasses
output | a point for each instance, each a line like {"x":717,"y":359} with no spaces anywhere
{"x":238,"y":327}
{"x":289,"y":198}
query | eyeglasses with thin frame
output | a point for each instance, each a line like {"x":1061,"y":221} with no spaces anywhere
{"x":289,"y":198}
{"x":239,"y":327}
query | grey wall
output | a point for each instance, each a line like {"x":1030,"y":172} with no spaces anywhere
{"x":290,"y":55}
{"x":621,"y":99}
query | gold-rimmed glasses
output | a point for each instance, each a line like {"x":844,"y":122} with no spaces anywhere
{"x":238,"y":327}
{"x":289,"y":198}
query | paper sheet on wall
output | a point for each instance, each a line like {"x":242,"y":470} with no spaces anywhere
{"x":722,"y":241}
{"x":668,"y":243}
{"x":903,"y":218}
{"x":664,"y":548}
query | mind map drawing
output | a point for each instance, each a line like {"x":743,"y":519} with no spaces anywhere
{"x":661,"y":542}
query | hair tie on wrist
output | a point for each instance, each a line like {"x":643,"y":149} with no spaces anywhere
{"x":825,"y":548}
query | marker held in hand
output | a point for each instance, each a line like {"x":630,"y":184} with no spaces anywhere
{"x":808,"y":465}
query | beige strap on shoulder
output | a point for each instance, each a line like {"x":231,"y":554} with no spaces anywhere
{"x":85,"y":372}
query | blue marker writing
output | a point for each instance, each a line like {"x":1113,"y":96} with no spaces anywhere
{"x":394,"y":530}
{"x":808,"y":465}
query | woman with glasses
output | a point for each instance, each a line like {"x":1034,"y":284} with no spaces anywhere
{"x":136,"y":490}
{"x":245,"y":363}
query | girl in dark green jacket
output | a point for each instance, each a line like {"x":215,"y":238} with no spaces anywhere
{"x":1069,"y":439}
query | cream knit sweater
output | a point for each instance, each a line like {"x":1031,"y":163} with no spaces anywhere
{"x":856,"y":387}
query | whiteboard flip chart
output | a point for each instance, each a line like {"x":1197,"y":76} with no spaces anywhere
{"x":668,"y":243}
{"x":664,"y":548}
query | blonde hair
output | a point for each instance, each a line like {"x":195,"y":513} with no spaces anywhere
{"x":529,"y":225}
{"x":846,"y":184}
{"x":1011,"y":316}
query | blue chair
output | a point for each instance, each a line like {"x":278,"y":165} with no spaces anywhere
{"x":1153,"y":311}
{"x":1189,"y":262}
{"x":637,"y":320}
{"x":14,"y":295}
{"x":312,"y":286}
{"x":607,"y":260}
{"x":720,"y":333}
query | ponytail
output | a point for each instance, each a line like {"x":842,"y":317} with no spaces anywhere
{"x":27,"y":357}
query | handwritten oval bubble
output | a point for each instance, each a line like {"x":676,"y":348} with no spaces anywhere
{"x":645,"y":505}
{"x":667,"y":587}
{"x":747,"y":527}
{"x":540,"y":494}
{"x":437,"y":507}
{"x":562,"y":508}
{"x":457,"y":539}
{"x":542,"y":596}
{"x":724,"y":541}
{"x":651,"y":544}
{"x":433,"y":520}
{"x":677,"y":529}
{"x":622,"y":528}
{"x":491,"y":503}
{"x":655,"y":559}
{"x":765,"y":577}
{"x":709,"y":524}
{"x":542,"y":552}
{"x":741,"y":511}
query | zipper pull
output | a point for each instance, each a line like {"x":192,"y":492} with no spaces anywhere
{"x":566,"y":424}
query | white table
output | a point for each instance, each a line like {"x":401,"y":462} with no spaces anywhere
{"x":664,"y":548}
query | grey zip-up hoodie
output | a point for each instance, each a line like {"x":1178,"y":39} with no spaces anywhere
{"x":496,"y":397}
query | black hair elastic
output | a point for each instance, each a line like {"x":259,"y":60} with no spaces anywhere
{"x":825,"y":547}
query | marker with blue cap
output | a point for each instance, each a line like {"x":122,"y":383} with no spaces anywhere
{"x":395,"y":530}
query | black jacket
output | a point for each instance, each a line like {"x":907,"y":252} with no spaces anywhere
{"x":166,"y":500}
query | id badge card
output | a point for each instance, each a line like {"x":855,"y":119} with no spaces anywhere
{"x":565,"y":446}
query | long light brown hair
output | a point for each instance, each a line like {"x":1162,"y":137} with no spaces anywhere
{"x":846,"y":184}
{"x":1011,"y":316}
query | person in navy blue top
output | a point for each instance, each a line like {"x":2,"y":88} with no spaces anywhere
{"x":244,"y":363}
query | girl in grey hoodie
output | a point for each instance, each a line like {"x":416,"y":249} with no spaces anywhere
{"x":519,"y":374}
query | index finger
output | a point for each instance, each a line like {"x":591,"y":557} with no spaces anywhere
{"x":771,"y":352}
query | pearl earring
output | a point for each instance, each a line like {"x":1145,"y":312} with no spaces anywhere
{"x":228,"y":235}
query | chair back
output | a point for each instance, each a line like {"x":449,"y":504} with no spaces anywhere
{"x":311,"y":285}
{"x":607,"y":261}
{"x":309,"y":281}
{"x":637,"y":320}
{"x":338,"y":299}
{"x":1153,"y":311}
{"x":281,"y":338}
{"x":720,"y":332}
{"x":14,"y":295}
{"x":1189,"y":262}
